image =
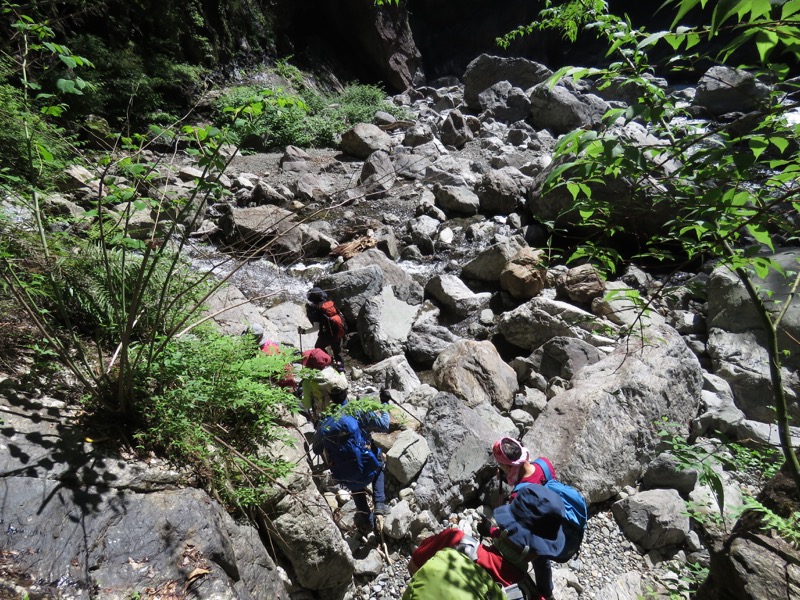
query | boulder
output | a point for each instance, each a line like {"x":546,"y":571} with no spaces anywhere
{"x":486,"y":70}
{"x":460,"y":462}
{"x":457,"y":199}
{"x":489,"y":264}
{"x":504,"y":102}
{"x":454,"y":295}
{"x":394,"y":373}
{"x":602,"y":431}
{"x":503,"y":190}
{"x":736,"y":338}
{"x":475,"y":373}
{"x":426,"y":341}
{"x":351,"y":289}
{"x":561,"y":110}
{"x":563,"y":357}
{"x":581,"y":284}
{"x":454,"y":131}
{"x":653,"y":519}
{"x":394,"y":276}
{"x":384,"y":324}
{"x":524,"y":275}
{"x":363,"y":139}
{"x":532,"y":324}
{"x":724,"y":89}
{"x":407,"y":456}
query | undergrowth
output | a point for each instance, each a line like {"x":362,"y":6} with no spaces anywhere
{"x":300,"y":116}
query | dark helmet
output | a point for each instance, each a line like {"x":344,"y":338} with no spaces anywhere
{"x":338,"y":395}
{"x":316,"y":295}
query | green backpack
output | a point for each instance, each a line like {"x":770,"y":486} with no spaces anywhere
{"x":452,"y":575}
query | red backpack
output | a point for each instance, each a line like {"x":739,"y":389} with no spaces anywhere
{"x":335,"y":318}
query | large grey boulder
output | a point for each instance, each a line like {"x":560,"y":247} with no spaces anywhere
{"x":272,"y":231}
{"x":563,"y":357}
{"x":233,"y":314}
{"x":532,"y":324}
{"x":377,"y":174}
{"x":724,"y":89}
{"x":352,"y":289}
{"x":602,"y":432}
{"x":619,"y":306}
{"x":395,"y":276}
{"x":407,"y":456}
{"x":454,"y":130}
{"x":108,"y":525}
{"x":476,"y":373}
{"x":503,"y":190}
{"x":307,"y":535}
{"x":460,"y":463}
{"x":736,"y":338}
{"x":561,"y":110}
{"x":363,"y":139}
{"x":486,"y":70}
{"x":653,"y":519}
{"x":457,"y":199}
{"x":489,"y":263}
{"x":504,"y":102}
{"x":395,"y":373}
{"x":426,"y":341}
{"x":454,"y":295}
{"x":384,"y":324}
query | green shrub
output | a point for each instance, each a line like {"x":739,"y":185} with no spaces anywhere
{"x":305,"y":118}
{"x":213,"y":407}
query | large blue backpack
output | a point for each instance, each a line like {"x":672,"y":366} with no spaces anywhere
{"x":348,"y":453}
{"x":575,"y":511}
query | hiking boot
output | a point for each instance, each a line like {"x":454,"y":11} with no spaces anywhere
{"x":381,"y":509}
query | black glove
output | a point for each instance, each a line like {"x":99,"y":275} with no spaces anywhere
{"x":300,"y":330}
{"x":484,"y":527}
{"x":385,"y":396}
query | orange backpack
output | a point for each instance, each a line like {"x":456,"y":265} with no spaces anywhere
{"x":335,"y":318}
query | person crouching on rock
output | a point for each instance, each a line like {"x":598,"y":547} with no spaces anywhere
{"x":344,"y":440}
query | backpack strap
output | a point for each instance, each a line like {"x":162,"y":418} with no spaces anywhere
{"x":548,"y":474}
{"x":524,"y":589}
{"x":469,"y":546}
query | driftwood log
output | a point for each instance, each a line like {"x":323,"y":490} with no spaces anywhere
{"x":354,"y":246}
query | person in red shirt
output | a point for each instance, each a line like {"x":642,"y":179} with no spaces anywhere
{"x":530,"y":530}
{"x":514,"y":460}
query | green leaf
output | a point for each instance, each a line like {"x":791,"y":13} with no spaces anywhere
{"x":765,"y":43}
{"x":684,"y":7}
{"x":69,"y":61}
{"x":761,"y":236}
{"x":758,"y":145}
{"x":790,"y":8}
{"x":779,"y":142}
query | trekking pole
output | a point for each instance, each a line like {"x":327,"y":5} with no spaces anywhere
{"x":300,"y":335}
{"x":405,"y":410}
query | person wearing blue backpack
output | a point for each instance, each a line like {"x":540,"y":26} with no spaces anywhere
{"x":343,"y":439}
{"x":513,"y":460}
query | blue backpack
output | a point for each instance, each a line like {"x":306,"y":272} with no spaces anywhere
{"x":348,"y":453}
{"x":575,"y":512}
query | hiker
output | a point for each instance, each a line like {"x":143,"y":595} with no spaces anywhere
{"x":529,"y":529}
{"x":514,"y":461}
{"x":329,"y":320}
{"x":345,"y":442}
{"x":270,"y":347}
{"x":316,"y":392}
